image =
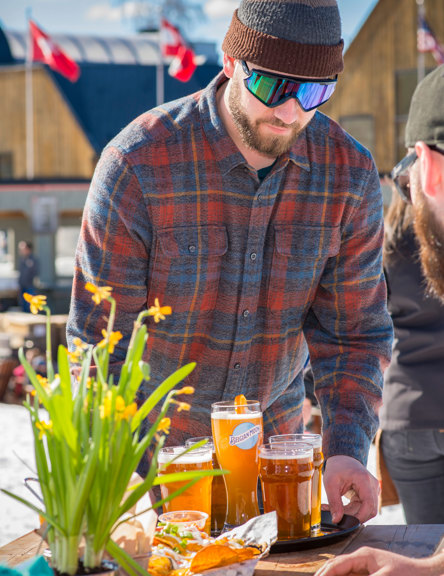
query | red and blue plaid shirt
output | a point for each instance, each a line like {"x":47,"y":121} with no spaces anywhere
{"x":252,"y":270}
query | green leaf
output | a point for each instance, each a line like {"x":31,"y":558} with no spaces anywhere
{"x":160,"y":392}
{"x":184,"y":476}
{"x":129,"y":565}
{"x":42,"y":513}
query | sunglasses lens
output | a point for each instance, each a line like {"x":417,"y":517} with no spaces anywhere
{"x":273,"y":91}
{"x":311,"y":95}
{"x":403,"y":185}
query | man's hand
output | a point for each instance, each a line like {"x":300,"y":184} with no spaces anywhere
{"x":345,"y":476}
{"x":381,"y":563}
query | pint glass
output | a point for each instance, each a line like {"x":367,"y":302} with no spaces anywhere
{"x":314,"y":440}
{"x":286,"y":470}
{"x":198,"y":497}
{"x":218,"y":493}
{"x":237,"y":434}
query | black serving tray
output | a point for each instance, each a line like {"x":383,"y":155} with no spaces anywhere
{"x":328,"y":534}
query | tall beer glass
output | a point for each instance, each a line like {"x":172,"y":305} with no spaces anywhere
{"x":237,"y":434}
{"x":218,"y":493}
{"x":198,"y":497}
{"x":286,"y":470}
{"x":318,"y":459}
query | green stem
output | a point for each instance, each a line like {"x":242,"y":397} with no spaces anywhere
{"x":49,"y":366}
{"x":137,"y":326}
{"x":91,"y":558}
{"x":109,"y":328}
{"x":65,"y":554}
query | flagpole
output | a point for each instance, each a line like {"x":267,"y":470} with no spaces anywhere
{"x":160,"y":72}
{"x":421,"y":56}
{"x":29,"y":103}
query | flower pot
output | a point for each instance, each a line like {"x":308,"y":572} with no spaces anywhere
{"x":106,"y":568}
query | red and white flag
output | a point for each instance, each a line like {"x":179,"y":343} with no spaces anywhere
{"x":183,"y":65}
{"x":427,"y":41}
{"x":43,"y":49}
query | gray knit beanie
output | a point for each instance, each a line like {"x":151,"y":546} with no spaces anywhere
{"x":297,"y":37}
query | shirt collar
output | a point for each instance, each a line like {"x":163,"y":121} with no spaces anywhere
{"x":225,"y":150}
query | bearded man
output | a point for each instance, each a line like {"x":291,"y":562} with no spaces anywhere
{"x":259,"y":221}
{"x":419,"y":178}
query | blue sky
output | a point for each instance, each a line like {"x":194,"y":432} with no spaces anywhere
{"x":111,"y":17}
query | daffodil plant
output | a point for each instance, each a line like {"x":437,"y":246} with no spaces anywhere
{"x":88,"y":442}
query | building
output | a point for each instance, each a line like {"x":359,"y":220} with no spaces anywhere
{"x":72,"y":122}
{"x":381,"y":72}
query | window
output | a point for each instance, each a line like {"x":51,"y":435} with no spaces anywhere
{"x":6,"y":172}
{"x":66,"y":243}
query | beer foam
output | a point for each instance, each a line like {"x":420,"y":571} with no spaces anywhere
{"x":198,"y":457}
{"x":285,"y":455}
{"x":232,"y":416}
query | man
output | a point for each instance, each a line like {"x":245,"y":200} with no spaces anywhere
{"x":28,"y":271}
{"x":259,"y":221}
{"x":419,"y":178}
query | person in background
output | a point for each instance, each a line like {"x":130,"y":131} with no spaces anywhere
{"x":259,"y":221}
{"x":28,"y":272}
{"x":412,"y":415}
{"x":419,"y":178}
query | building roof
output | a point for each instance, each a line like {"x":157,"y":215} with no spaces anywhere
{"x":117,"y":82}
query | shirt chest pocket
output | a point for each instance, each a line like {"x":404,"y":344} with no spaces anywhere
{"x":299,"y":258}
{"x":186,"y":270}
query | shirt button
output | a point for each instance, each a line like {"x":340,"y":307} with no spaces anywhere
{"x":245,"y":313}
{"x":259,"y":198}
{"x":191,"y":248}
{"x":237,"y":366}
{"x":253,"y":256}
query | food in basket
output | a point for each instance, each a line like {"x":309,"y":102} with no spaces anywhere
{"x":187,"y":551}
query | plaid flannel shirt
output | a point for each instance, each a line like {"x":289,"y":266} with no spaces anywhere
{"x":252,"y":270}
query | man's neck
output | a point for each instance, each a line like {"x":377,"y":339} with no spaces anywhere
{"x":254,"y":158}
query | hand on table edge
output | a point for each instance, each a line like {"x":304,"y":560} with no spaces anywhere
{"x":346,"y":476}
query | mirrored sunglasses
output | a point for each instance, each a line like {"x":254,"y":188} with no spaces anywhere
{"x":273,"y":90}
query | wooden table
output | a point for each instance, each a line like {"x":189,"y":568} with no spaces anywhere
{"x":414,"y":540}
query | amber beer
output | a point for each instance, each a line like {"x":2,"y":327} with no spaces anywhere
{"x":314,"y":440}
{"x":198,"y":497}
{"x":218,"y":492}
{"x":237,"y":435}
{"x":286,"y":471}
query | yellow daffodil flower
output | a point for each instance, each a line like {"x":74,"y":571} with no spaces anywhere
{"x":158,"y":311}
{"x":181,"y":406}
{"x":105,"y":408}
{"x":43,"y":382}
{"x":43,"y":428}
{"x":112,"y":340}
{"x":129,"y":411}
{"x":36,"y":303}
{"x":99,"y":292}
{"x":164,"y":425}
{"x":186,"y":390}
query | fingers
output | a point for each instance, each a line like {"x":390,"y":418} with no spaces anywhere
{"x":347,"y":565}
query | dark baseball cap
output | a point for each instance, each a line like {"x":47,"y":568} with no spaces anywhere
{"x":426,"y":115}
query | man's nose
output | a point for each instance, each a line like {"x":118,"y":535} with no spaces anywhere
{"x":289,"y":112}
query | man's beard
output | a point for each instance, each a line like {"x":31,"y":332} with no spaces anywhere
{"x":272,"y":146}
{"x":430,"y":233}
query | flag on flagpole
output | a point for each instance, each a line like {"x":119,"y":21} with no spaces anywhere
{"x":183,"y":64}
{"x":427,"y":41}
{"x":44,"y":49}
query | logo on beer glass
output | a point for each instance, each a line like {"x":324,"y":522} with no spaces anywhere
{"x":245,"y":435}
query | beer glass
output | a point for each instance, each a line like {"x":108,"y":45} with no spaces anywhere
{"x":237,"y":434}
{"x":318,"y":459}
{"x":286,"y":471}
{"x":218,"y":493}
{"x":198,"y":497}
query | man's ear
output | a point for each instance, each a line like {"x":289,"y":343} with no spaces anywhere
{"x":229,"y":65}
{"x":432,"y":171}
